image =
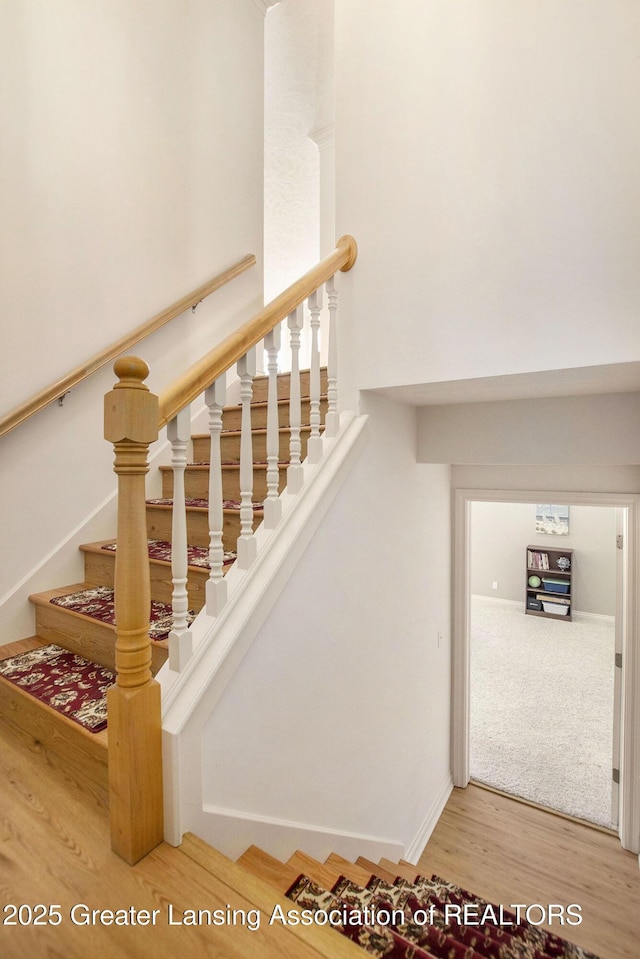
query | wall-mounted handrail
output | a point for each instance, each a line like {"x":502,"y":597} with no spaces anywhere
{"x":53,"y":392}
{"x":218,"y":360}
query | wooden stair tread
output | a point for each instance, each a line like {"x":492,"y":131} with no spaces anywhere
{"x":326,"y":876}
{"x":82,"y":634}
{"x":201,"y":509}
{"x":99,"y":738}
{"x":305,"y":398}
{"x":82,"y":751}
{"x":228,"y":467}
{"x":278,"y":874}
{"x":403,"y":869}
{"x":97,"y":550}
{"x":198,"y":889}
{"x":261,"y":430}
{"x":44,"y":600}
{"x":375,"y":869}
{"x":264,"y":895}
{"x":348,"y":869}
{"x":21,"y":646}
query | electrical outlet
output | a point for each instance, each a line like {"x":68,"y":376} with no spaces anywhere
{"x":494,"y":585}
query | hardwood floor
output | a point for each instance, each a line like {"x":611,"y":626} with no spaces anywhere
{"x":508,"y":852}
{"x":54,"y":851}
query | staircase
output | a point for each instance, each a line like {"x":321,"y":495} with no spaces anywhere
{"x":85,"y":752}
{"x":385,"y":909}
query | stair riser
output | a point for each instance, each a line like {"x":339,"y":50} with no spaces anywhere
{"x":261,"y":385}
{"x":196,"y":483}
{"x":81,"y":752}
{"x":100,"y":569}
{"x":159,"y":526}
{"x":232,"y":418}
{"x":230,"y":446}
{"x":86,"y":637}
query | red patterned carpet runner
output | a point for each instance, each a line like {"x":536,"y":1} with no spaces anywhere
{"x":98,"y":604}
{"x":196,"y":555}
{"x":227,"y":504}
{"x":425,"y":919}
{"x":68,"y":683}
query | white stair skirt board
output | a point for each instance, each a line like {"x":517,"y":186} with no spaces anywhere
{"x":542,"y":707}
{"x":231,"y":832}
{"x":220,"y":643}
{"x":417,"y":846}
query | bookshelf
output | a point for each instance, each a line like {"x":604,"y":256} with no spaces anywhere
{"x":551,"y":596}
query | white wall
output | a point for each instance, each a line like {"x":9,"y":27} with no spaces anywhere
{"x":570,"y":429}
{"x":339,"y":715}
{"x":486,"y":158}
{"x":501,"y":532}
{"x":594,"y":479}
{"x":132,"y":172}
{"x":298,"y":102}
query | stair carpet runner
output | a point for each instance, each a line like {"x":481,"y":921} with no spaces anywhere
{"x":75,"y":686}
{"x":426,"y":919}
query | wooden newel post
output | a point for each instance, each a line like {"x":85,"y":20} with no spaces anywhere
{"x":133,"y":703}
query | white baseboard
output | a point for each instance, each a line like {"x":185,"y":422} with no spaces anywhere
{"x":416,"y":847}
{"x":597,"y":617}
{"x":232,"y":831}
{"x":497,"y":601}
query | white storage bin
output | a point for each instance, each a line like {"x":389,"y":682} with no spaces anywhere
{"x":558,"y":609}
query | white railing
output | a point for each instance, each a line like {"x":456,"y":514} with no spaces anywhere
{"x":135,"y":757}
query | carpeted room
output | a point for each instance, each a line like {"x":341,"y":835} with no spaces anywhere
{"x":542,"y":687}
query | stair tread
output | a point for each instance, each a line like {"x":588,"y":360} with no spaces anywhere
{"x":229,"y":466}
{"x":282,"y":401}
{"x":103,"y":546}
{"x":375,"y":869}
{"x":258,"y":430}
{"x":349,"y":869}
{"x":163,"y":502}
{"x":20,"y":699}
{"x":276,"y":873}
{"x":405,"y":870}
{"x":264,"y":894}
{"x":44,"y":598}
{"x":325,"y":875}
{"x":20,"y":646}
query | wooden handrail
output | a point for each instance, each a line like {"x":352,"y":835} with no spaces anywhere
{"x":218,"y":360}
{"x":53,"y":392}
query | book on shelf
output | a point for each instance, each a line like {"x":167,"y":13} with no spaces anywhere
{"x":537,"y":559}
{"x":554,"y":598}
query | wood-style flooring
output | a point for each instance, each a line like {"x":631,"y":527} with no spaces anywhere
{"x":508,"y":852}
{"x":54,"y":852}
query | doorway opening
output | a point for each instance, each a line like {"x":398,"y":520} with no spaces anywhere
{"x":542,"y":655}
{"x":625,"y":745}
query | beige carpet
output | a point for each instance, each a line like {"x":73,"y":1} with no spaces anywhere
{"x":542,"y":707}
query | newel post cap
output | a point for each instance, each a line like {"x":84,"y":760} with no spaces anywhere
{"x":130,"y":409}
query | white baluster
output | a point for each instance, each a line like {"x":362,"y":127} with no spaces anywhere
{"x":246,"y":548}
{"x":332,"y":419}
{"x":272,"y":504}
{"x":216,"y":588}
{"x":180,"y":642}
{"x":294,"y":470}
{"x":314,"y":445}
